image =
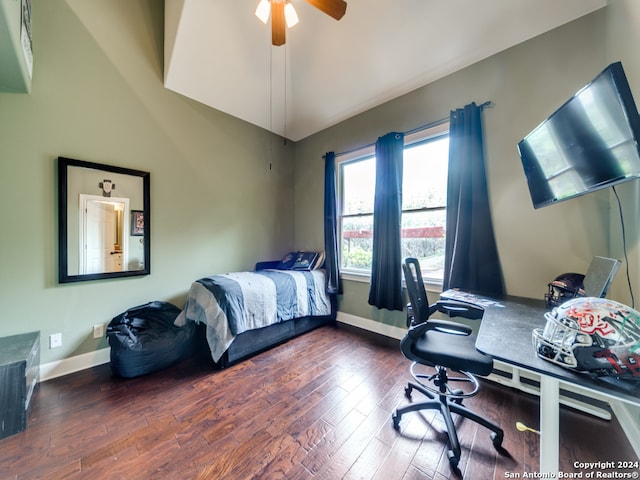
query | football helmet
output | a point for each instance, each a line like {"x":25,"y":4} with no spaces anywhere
{"x":594,"y":335}
{"x":563,"y":288}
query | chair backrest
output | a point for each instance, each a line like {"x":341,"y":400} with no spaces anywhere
{"x":415,"y":288}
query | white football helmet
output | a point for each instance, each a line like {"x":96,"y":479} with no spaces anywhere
{"x":594,"y":335}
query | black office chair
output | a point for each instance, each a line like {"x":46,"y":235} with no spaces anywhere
{"x":448,"y":351}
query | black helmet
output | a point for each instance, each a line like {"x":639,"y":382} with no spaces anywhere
{"x":563,"y":288}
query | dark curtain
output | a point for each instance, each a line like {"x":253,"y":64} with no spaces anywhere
{"x":471,"y":256}
{"x":386,"y":268}
{"x":331,"y":263}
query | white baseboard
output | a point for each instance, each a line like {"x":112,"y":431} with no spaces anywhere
{"x":371,"y":325}
{"x":77,"y":363}
{"x":74,"y":364}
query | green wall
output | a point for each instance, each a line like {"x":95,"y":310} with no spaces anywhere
{"x":526,"y":83}
{"x":97,"y":95}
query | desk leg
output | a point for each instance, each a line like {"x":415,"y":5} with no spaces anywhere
{"x":549,"y":424}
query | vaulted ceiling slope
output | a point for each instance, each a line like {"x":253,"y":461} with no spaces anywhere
{"x":218,"y":53}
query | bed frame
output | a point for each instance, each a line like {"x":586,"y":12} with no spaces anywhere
{"x":252,"y":342}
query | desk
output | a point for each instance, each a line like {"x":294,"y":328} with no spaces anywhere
{"x":505,"y":334}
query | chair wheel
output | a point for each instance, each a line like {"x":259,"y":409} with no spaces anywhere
{"x":396,"y":421}
{"x":407,"y":391}
{"x":453,"y":460}
{"x":496,"y":439}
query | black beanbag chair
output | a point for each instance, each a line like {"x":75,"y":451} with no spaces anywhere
{"x":144,"y":339}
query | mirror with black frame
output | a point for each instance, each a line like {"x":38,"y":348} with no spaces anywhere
{"x":103,"y":221}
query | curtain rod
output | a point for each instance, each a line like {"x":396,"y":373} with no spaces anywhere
{"x":487,"y":104}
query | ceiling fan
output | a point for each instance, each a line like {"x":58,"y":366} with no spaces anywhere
{"x":282,"y":12}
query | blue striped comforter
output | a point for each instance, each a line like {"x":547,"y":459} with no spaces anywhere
{"x":233,"y":303}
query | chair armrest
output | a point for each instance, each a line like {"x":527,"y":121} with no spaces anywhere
{"x":455,"y":308}
{"x":450,"y":327}
{"x":441,"y":325}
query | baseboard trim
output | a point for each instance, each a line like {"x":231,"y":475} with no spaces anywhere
{"x":371,"y":325}
{"x":77,"y":363}
{"x":74,"y":364}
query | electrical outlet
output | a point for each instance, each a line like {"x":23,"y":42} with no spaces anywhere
{"x":55,"y":340}
{"x":98,"y":330}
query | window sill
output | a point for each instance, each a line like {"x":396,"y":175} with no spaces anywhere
{"x":356,"y":277}
{"x":430,"y":286}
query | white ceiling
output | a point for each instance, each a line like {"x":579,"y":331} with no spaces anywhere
{"x":218,"y":53}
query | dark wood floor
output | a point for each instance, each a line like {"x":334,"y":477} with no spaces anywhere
{"x":317,"y":407}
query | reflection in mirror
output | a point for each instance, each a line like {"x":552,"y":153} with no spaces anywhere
{"x":103,"y":221}
{"x":103,"y":243}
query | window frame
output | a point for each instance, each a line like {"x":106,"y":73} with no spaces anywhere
{"x":413,"y":139}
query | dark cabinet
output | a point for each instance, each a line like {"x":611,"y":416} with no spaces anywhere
{"x":19,"y":376}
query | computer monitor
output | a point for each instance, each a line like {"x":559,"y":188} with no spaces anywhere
{"x":601,"y":273}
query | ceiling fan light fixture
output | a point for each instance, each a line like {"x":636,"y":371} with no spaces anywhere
{"x":290,"y":15}
{"x":283,"y":15}
{"x":263,"y":10}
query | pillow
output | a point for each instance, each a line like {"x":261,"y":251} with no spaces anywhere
{"x":320,"y":261}
{"x":301,"y":260}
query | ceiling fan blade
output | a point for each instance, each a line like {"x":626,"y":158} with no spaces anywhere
{"x":333,"y":8}
{"x":278,"y":31}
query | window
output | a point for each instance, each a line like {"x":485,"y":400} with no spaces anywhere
{"x":424,"y":194}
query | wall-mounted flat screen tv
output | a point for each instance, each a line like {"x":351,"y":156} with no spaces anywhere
{"x":589,"y":143}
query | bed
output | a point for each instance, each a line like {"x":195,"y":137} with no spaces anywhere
{"x":243,"y":313}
